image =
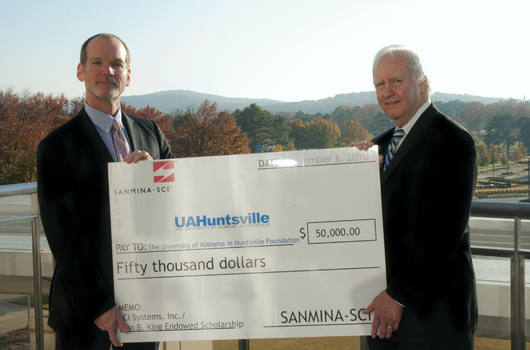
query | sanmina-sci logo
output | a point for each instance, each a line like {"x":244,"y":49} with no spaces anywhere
{"x":163,"y":171}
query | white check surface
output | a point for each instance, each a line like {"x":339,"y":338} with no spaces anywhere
{"x":263,"y":245}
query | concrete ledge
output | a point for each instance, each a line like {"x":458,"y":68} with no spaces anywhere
{"x":186,"y":345}
{"x":497,"y":327}
{"x":494,"y":311}
{"x":49,"y":335}
{"x":20,"y":263}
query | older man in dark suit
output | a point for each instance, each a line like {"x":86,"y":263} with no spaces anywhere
{"x":428,"y":175}
{"x":73,"y":194}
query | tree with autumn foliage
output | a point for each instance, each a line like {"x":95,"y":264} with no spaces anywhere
{"x":315,"y":134}
{"x":323,"y":133}
{"x":353,"y":132}
{"x":473,"y":115}
{"x":25,"y":119}
{"x":206,"y":132}
{"x":517,"y":154}
{"x":483,"y":158}
{"x":522,"y":109}
{"x":151,"y":113}
{"x":505,"y":161}
{"x":76,"y":104}
{"x":494,"y":156}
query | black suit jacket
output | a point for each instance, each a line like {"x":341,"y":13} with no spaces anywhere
{"x":73,"y":192}
{"x":426,"y":193}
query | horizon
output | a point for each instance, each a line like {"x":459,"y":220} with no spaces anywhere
{"x":288,"y":51}
{"x":321,"y":98}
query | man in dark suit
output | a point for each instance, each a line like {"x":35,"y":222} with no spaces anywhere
{"x":428,"y":175}
{"x":73,"y":195}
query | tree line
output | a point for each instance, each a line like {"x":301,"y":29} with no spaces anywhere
{"x":26,"y":118}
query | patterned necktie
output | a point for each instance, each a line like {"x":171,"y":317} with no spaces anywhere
{"x":120,"y":143}
{"x":392,"y":147}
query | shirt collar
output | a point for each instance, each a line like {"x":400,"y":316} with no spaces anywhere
{"x":407,"y":127}
{"x":101,"y":119}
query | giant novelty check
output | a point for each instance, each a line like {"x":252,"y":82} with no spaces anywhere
{"x":265,"y":245}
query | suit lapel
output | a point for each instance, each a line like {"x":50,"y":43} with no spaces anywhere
{"x":91,"y":140}
{"x":132,"y":131}
{"x":415,"y":135}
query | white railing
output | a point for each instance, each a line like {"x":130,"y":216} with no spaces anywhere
{"x":31,"y":189}
{"x":517,"y":255}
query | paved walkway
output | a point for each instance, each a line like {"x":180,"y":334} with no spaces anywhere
{"x":13,"y":316}
{"x":519,"y":169}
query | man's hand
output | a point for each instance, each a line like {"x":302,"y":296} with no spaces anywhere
{"x":387,"y":315}
{"x":137,"y":156}
{"x":364,"y":146}
{"x":107,"y":322}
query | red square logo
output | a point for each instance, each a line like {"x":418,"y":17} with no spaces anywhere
{"x":163,"y":171}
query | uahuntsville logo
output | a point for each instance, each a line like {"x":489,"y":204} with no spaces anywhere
{"x":164,"y":171}
{"x":227,"y":221}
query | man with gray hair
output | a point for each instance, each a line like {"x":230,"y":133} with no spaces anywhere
{"x":428,"y":174}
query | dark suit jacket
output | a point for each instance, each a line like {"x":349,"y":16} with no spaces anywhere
{"x":73,"y":192}
{"x":426,"y":195}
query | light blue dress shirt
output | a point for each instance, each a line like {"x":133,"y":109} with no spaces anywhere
{"x":103,"y":123}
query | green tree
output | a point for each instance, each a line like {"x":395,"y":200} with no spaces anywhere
{"x":380,"y":123}
{"x":475,"y":138}
{"x":524,"y":131}
{"x":255,"y":122}
{"x":363,"y":115}
{"x":344,"y":113}
{"x":452,"y":108}
{"x":501,"y":129}
{"x":279,"y":131}
{"x":298,"y":133}
{"x":303,"y":116}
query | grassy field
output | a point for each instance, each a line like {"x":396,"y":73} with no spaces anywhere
{"x":337,"y":343}
{"x":24,"y":302}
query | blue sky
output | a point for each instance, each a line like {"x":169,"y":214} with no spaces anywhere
{"x":288,"y":50}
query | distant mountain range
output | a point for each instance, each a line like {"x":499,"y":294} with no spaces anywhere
{"x":166,"y":101}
